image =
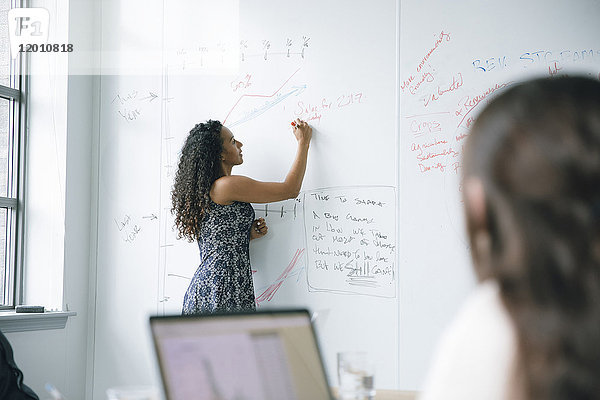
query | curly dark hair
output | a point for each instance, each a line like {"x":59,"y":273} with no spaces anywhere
{"x":199,"y":166}
{"x":536,"y":148}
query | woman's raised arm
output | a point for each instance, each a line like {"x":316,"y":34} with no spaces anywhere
{"x":228,"y":189}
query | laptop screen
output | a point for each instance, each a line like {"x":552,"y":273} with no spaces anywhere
{"x":252,"y":356}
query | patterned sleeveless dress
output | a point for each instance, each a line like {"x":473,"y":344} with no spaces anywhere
{"x":223,"y":281}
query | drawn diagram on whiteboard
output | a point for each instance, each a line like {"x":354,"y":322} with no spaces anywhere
{"x":271,"y":101}
{"x":351,"y":240}
{"x":290,"y":271}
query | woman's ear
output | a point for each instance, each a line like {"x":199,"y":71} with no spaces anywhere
{"x":475,"y":203}
{"x":477,"y":225}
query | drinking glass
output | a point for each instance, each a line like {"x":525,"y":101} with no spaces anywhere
{"x":356,"y":376}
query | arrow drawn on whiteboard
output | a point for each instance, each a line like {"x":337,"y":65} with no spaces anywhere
{"x":265,"y":96}
{"x":150,"y":217}
{"x":151,"y":97}
{"x":179,"y":276}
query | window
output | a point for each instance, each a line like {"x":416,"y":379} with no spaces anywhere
{"x":11,"y":138}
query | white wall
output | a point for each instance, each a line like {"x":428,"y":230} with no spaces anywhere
{"x":59,"y":191}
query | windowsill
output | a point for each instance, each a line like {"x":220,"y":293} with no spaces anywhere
{"x":11,"y":321}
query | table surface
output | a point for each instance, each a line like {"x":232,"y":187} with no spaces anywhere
{"x":395,"y":395}
{"x":390,"y":394}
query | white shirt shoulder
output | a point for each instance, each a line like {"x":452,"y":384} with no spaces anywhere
{"x":475,"y":356}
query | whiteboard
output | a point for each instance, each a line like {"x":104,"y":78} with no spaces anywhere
{"x":454,"y":57}
{"x":374,"y":244}
{"x":271,"y":67}
{"x":256,"y":66}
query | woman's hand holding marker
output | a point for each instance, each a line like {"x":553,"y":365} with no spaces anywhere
{"x":302,"y":131}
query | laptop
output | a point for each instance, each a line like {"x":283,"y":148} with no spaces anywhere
{"x":262,"y":355}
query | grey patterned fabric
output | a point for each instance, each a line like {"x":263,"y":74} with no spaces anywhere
{"x":223,"y":281}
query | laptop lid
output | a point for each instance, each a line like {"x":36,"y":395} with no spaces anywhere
{"x":260,"y":355}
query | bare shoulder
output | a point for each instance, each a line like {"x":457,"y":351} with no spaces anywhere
{"x":223,"y":190}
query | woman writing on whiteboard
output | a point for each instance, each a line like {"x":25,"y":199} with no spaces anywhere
{"x":211,"y":206}
{"x":531,"y":329}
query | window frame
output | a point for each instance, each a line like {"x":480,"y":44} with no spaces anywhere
{"x":17,"y":94}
